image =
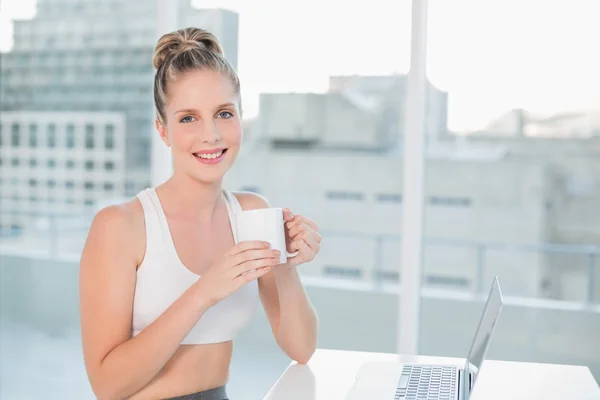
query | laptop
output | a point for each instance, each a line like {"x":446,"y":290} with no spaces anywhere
{"x":397,"y":381}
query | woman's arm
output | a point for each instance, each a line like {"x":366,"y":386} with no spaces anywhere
{"x":292,"y":318}
{"x":118,"y":365}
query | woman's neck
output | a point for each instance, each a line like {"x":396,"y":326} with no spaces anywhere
{"x":190,"y":198}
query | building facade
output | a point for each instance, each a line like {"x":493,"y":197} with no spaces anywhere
{"x":58,"y":163}
{"x":522,"y":208}
{"x":96,"y":56}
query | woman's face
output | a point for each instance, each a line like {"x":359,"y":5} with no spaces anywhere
{"x":203,"y":125}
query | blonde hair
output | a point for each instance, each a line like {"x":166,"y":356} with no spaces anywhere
{"x":184,"y":50}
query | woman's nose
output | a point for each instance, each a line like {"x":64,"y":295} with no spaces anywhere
{"x":210,"y":132}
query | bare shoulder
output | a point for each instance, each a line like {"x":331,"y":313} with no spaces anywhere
{"x":119,"y":225}
{"x":251,"y":201}
{"x":121,"y":217}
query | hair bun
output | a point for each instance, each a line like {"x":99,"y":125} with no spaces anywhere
{"x":184,"y":40}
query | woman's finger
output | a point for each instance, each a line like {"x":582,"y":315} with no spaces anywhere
{"x":305,"y":253}
{"x":296,"y":229}
{"x":308,"y":221}
{"x":310,"y":240}
{"x":251,"y":276}
{"x":288,"y":215}
{"x":318,"y":237}
{"x":250,"y":255}
{"x":299,"y":229}
{"x":248,"y":266}
{"x":293,"y":222}
{"x":248,"y":245}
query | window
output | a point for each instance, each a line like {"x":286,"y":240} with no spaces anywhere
{"x":387,"y":276}
{"x":51,"y":183}
{"x":33,"y":136}
{"x":32,"y":182}
{"x":389,"y":198}
{"x":51,"y":136}
{"x":33,"y":162}
{"x":70,"y":142}
{"x":342,"y":272}
{"x":450,"y":201}
{"x":447,"y":281}
{"x":354,"y":196}
{"x":51,"y":163}
{"x":89,"y":165}
{"x":15,"y":162}
{"x":89,"y":185}
{"x":69,"y":184}
{"x":109,"y":139}
{"x":16,"y":135}
{"x":108,"y":186}
{"x":70,"y":164}
{"x":89,"y":136}
{"x":109,"y":165}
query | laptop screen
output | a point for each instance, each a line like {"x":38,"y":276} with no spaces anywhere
{"x":481,"y":341}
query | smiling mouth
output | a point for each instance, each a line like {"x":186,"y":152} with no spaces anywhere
{"x":211,"y":157}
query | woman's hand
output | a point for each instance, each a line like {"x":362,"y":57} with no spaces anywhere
{"x":245,"y":262}
{"x":302,"y":235}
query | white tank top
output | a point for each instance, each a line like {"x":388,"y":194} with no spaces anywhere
{"x":162,"y":278}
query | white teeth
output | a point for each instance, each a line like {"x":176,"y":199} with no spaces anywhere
{"x":210,"y":156}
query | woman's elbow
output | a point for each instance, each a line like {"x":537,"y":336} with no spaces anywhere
{"x":108,"y":389}
{"x":303,"y":360}
{"x":105,"y":391}
{"x":303,"y":356}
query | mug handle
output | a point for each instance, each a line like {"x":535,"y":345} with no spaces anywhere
{"x":292,"y":255}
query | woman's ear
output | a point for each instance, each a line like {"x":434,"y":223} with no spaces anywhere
{"x":163,"y":132}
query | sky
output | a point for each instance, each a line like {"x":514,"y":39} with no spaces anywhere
{"x":489,"y":55}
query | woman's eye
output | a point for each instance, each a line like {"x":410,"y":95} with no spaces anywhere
{"x":225,"y":114}
{"x":189,"y":118}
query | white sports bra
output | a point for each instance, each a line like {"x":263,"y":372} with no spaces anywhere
{"x":162,"y":278}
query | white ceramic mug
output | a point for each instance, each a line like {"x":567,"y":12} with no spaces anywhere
{"x":264,"y":224}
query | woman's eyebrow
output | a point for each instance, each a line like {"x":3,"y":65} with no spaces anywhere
{"x":193,"y":110}
{"x":186,"y":110}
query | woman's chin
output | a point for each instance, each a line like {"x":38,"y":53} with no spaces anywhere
{"x":209,"y":177}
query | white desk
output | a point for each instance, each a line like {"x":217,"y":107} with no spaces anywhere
{"x":330,"y":374}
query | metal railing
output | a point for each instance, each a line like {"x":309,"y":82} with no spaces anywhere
{"x":589,"y":252}
{"x":48,"y":233}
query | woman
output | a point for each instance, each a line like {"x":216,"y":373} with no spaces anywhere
{"x":163,"y":285}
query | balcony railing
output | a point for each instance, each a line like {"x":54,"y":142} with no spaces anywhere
{"x":63,"y":236}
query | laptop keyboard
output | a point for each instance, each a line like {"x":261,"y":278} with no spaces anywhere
{"x":427,"y":382}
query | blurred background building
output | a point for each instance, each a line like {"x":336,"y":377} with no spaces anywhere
{"x":518,"y":197}
{"x":91,"y":56}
